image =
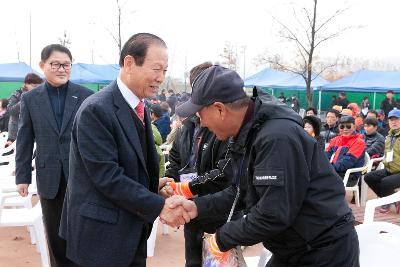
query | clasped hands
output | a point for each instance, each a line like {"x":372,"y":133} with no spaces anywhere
{"x":177,"y":209}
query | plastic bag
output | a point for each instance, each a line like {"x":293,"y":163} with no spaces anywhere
{"x":233,"y":258}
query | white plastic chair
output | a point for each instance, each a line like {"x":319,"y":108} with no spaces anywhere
{"x":151,"y":241}
{"x":364,"y":186}
{"x":259,"y":261}
{"x":25,"y":217}
{"x":379,"y":244}
{"x":354,"y":188}
{"x":373,"y":203}
{"x":3,"y":138}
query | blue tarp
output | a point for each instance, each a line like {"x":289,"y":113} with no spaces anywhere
{"x":15,"y":72}
{"x":278,"y":79}
{"x":93,"y":73}
{"x":367,"y":81}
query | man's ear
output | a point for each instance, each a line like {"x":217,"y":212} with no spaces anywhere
{"x":129,"y":61}
{"x":41,"y":65}
{"x":221,"y":109}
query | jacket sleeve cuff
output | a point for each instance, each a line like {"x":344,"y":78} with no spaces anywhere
{"x":155,"y":210}
{"x":223,"y":247}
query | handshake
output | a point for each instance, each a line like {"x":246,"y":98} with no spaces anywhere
{"x":177,"y":209}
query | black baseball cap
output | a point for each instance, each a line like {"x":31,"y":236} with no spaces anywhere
{"x":346,"y":119}
{"x":215,"y":84}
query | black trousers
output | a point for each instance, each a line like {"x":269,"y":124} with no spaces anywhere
{"x":343,"y":252}
{"x":141,"y":251}
{"x":382,"y":182}
{"x":51,"y":209}
{"x":193,"y":245}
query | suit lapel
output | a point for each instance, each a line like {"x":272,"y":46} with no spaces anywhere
{"x":125,"y":119}
{"x":70,"y":103}
{"x":45,"y":107}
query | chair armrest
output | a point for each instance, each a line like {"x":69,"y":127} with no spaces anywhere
{"x":352,"y":170}
{"x":373,"y":203}
{"x":371,"y":163}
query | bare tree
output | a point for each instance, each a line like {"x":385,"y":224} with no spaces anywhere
{"x":116,"y":30}
{"x":229,"y":56}
{"x":64,"y":40}
{"x":308,"y":35}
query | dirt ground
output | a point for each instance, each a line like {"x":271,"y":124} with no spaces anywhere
{"x":16,"y":250}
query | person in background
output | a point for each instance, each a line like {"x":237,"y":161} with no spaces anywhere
{"x":161,"y":120}
{"x":31,"y":81}
{"x":374,"y":141}
{"x":282,"y":97}
{"x":382,"y":122}
{"x":46,"y":118}
{"x":158,"y":142}
{"x":383,"y":127}
{"x":342,"y":100}
{"x":331,"y":128}
{"x":334,"y":101}
{"x":165,"y":108}
{"x":388,"y":103}
{"x":348,"y":149}
{"x":338,"y":108}
{"x":312,"y":127}
{"x":365,"y":106}
{"x":171,"y":100}
{"x":295,"y":104}
{"x":310,"y":111}
{"x":162,"y":96}
{"x":4,"y":115}
{"x":356,"y":115}
{"x":384,"y":182}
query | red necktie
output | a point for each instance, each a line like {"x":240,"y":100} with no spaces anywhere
{"x":140,"y":110}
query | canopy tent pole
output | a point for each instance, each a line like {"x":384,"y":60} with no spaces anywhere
{"x":319,"y":101}
{"x":374,"y":99}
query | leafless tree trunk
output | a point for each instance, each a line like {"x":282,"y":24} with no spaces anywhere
{"x":306,"y":40}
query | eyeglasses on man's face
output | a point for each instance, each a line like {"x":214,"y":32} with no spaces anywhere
{"x":348,"y":126}
{"x":57,"y":65}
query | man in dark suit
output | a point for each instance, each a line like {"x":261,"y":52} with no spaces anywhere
{"x":46,"y":118}
{"x":112,"y":194}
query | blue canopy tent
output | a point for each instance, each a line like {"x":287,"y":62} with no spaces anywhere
{"x":15,"y":72}
{"x":267,"y":78}
{"x":278,"y":79}
{"x":93,"y":73}
{"x":367,"y":81}
{"x":282,"y":80}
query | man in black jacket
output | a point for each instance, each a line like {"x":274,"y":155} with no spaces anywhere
{"x":388,"y":103}
{"x":198,"y":165}
{"x":330,"y":129}
{"x":374,"y":141}
{"x":294,"y":200}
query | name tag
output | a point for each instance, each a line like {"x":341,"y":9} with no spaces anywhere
{"x":187,"y":177}
{"x":389,"y":156}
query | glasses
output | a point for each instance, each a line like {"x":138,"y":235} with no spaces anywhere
{"x":348,"y":126}
{"x":57,"y":66}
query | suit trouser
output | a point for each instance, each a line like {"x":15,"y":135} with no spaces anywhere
{"x":141,"y":251}
{"x":343,"y":252}
{"x":51,"y":209}
{"x":382,"y":182}
{"x":193,"y":245}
